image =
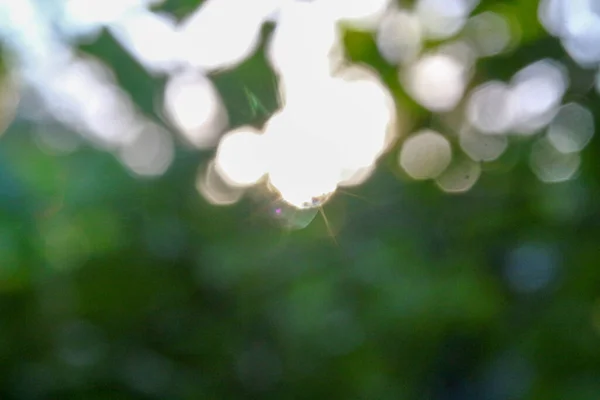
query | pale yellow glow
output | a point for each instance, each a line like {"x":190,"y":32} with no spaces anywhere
{"x":425,"y":155}
{"x":481,"y":147}
{"x":193,"y":105}
{"x":356,"y":177}
{"x":489,"y":33}
{"x":241,"y":159}
{"x":460,"y":176}
{"x":150,"y":153}
{"x":214,"y":189}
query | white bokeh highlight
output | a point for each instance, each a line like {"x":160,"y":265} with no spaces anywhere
{"x":550,"y":165}
{"x":481,"y":147}
{"x":525,"y":105}
{"x":577,"y":24}
{"x":214,"y":189}
{"x":241,"y":158}
{"x":460,"y":176}
{"x":442,"y":19}
{"x":488,"y":108}
{"x":151,"y":38}
{"x":399,"y":37}
{"x":425,"y":155}
{"x":489,"y":33}
{"x":150,"y":153}
{"x":194,"y":107}
{"x":572,"y":128}
{"x":536,"y":93}
{"x":335,"y":121}
{"x":436,"y":81}
{"x":222,"y":33}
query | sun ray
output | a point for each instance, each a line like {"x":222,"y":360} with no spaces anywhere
{"x":328,"y":226}
{"x":347,"y":193}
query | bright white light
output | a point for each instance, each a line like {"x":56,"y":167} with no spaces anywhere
{"x":334,"y":124}
{"x":193,"y":105}
{"x":425,"y":155}
{"x":359,"y":14}
{"x":335,"y":137}
{"x":83,"y":95}
{"x":552,"y":15}
{"x":583,"y":47}
{"x":443,"y":18}
{"x":460,"y":176}
{"x":577,"y":23}
{"x":151,"y":38}
{"x":436,"y":81}
{"x":36,"y":49}
{"x":550,"y":165}
{"x":572,"y":128}
{"x":399,"y":37}
{"x":150,"y":153}
{"x":579,"y":19}
{"x":222,"y":33}
{"x":86,"y":17}
{"x":306,"y":42}
{"x":356,"y":177}
{"x":366,"y":113}
{"x":488,"y":108}
{"x":536,"y":93}
{"x":240,"y":158}
{"x":302,"y":165}
{"x":526,"y":106}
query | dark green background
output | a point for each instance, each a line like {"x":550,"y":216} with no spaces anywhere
{"x":170,"y":297}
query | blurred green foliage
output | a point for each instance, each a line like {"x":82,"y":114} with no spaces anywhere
{"x":114,"y":287}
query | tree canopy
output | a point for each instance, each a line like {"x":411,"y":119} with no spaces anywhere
{"x":290,"y":199}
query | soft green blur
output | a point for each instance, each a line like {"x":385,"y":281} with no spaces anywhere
{"x":116,"y":287}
